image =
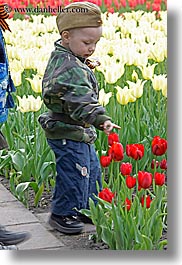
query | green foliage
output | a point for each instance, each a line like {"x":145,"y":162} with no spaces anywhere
{"x":137,"y":229}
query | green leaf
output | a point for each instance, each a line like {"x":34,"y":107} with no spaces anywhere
{"x":148,"y":242}
{"x":18,"y":160}
{"x":104,"y":203}
{"x":8,"y":133}
{"x":107,"y":237}
{"x":38,"y":194}
{"x":22,"y":187}
{"x":156,"y":230}
{"x":118,"y":228}
{"x":42,"y":158}
{"x":150,"y":223}
{"x":138,"y":236}
{"x":5,"y":160}
{"x":137,"y":246}
{"x":85,"y":212}
{"x":161,"y":244}
{"x":52,"y":182}
{"x":46,"y":169}
{"x":93,"y":211}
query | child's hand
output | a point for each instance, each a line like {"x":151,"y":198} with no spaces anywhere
{"x":108,"y":126}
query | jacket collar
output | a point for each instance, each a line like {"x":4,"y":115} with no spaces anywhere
{"x":59,"y":47}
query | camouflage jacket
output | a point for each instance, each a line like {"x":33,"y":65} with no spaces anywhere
{"x":70,"y":92}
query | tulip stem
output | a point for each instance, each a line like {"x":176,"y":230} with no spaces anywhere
{"x":159,"y":196}
{"x":163,"y":117}
{"x":145,"y":206}
{"x":145,"y":199}
{"x":122,"y":121}
{"x":136,"y":177}
{"x":35,"y":140}
{"x":25,"y":127}
{"x":138,"y":121}
{"x":110,"y":184}
{"x":155,"y":167}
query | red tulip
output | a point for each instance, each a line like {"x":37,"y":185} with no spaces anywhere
{"x":116,"y":152}
{"x":132,"y":4}
{"x":127,"y":204}
{"x":159,"y":178}
{"x":136,"y":151}
{"x":159,"y":146}
{"x":130,"y":182}
{"x":106,"y":195}
{"x":163,"y":164}
{"x":148,"y":5}
{"x":105,"y":161}
{"x":144,"y":179}
{"x":156,"y":7}
{"x":113,"y":138}
{"x":154,"y":164}
{"x":126,"y":169}
{"x":148,"y":201}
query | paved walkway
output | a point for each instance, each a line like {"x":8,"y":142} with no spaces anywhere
{"x":15,"y":217}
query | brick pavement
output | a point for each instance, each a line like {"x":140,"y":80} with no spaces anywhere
{"x":15,"y":217}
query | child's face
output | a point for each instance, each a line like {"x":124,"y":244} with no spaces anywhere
{"x":82,"y":42}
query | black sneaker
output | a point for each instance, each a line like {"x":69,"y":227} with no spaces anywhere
{"x":12,"y":238}
{"x":12,"y":247}
{"x":84,"y":219}
{"x":66,"y":224}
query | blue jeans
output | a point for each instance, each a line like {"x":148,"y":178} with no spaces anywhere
{"x":78,"y":169}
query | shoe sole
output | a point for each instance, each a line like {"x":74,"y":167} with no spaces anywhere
{"x":15,"y":241}
{"x":63,"y":229}
{"x":12,"y":247}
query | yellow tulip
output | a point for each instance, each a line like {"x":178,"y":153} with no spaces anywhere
{"x":140,"y":59}
{"x":159,"y":82}
{"x":15,"y":65}
{"x":41,"y":66}
{"x":123,"y":96}
{"x":134,"y":76}
{"x":24,"y":105}
{"x":127,"y":25}
{"x":104,"y":97}
{"x":113,"y":73}
{"x":129,"y":55}
{"x":36,"y":83}
{"x":110,"y":33}
{"x":148,"y":71}
{"x":111,"y":76}
{"x":164,"y":91}
{"x":148,"y":17}
{"x":35,"y":103}
{"x":17,"y":78}
{"x":50,"y":24}
{"x":136,"y":89}
{"x":26,"y":61}
{"x":30,"y":103}
{"x":131,"y":97}
{"x":157,"y":53}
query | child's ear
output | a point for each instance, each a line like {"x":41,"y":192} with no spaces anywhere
{"x":65,"y":36}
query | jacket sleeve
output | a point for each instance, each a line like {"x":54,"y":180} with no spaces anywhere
{"x":75,"y":95}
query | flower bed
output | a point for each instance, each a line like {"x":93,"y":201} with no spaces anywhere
{"x":132,"y":208}
{"x":19,"y":10}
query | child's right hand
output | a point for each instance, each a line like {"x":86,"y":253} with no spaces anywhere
{"x":108,"y":126}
